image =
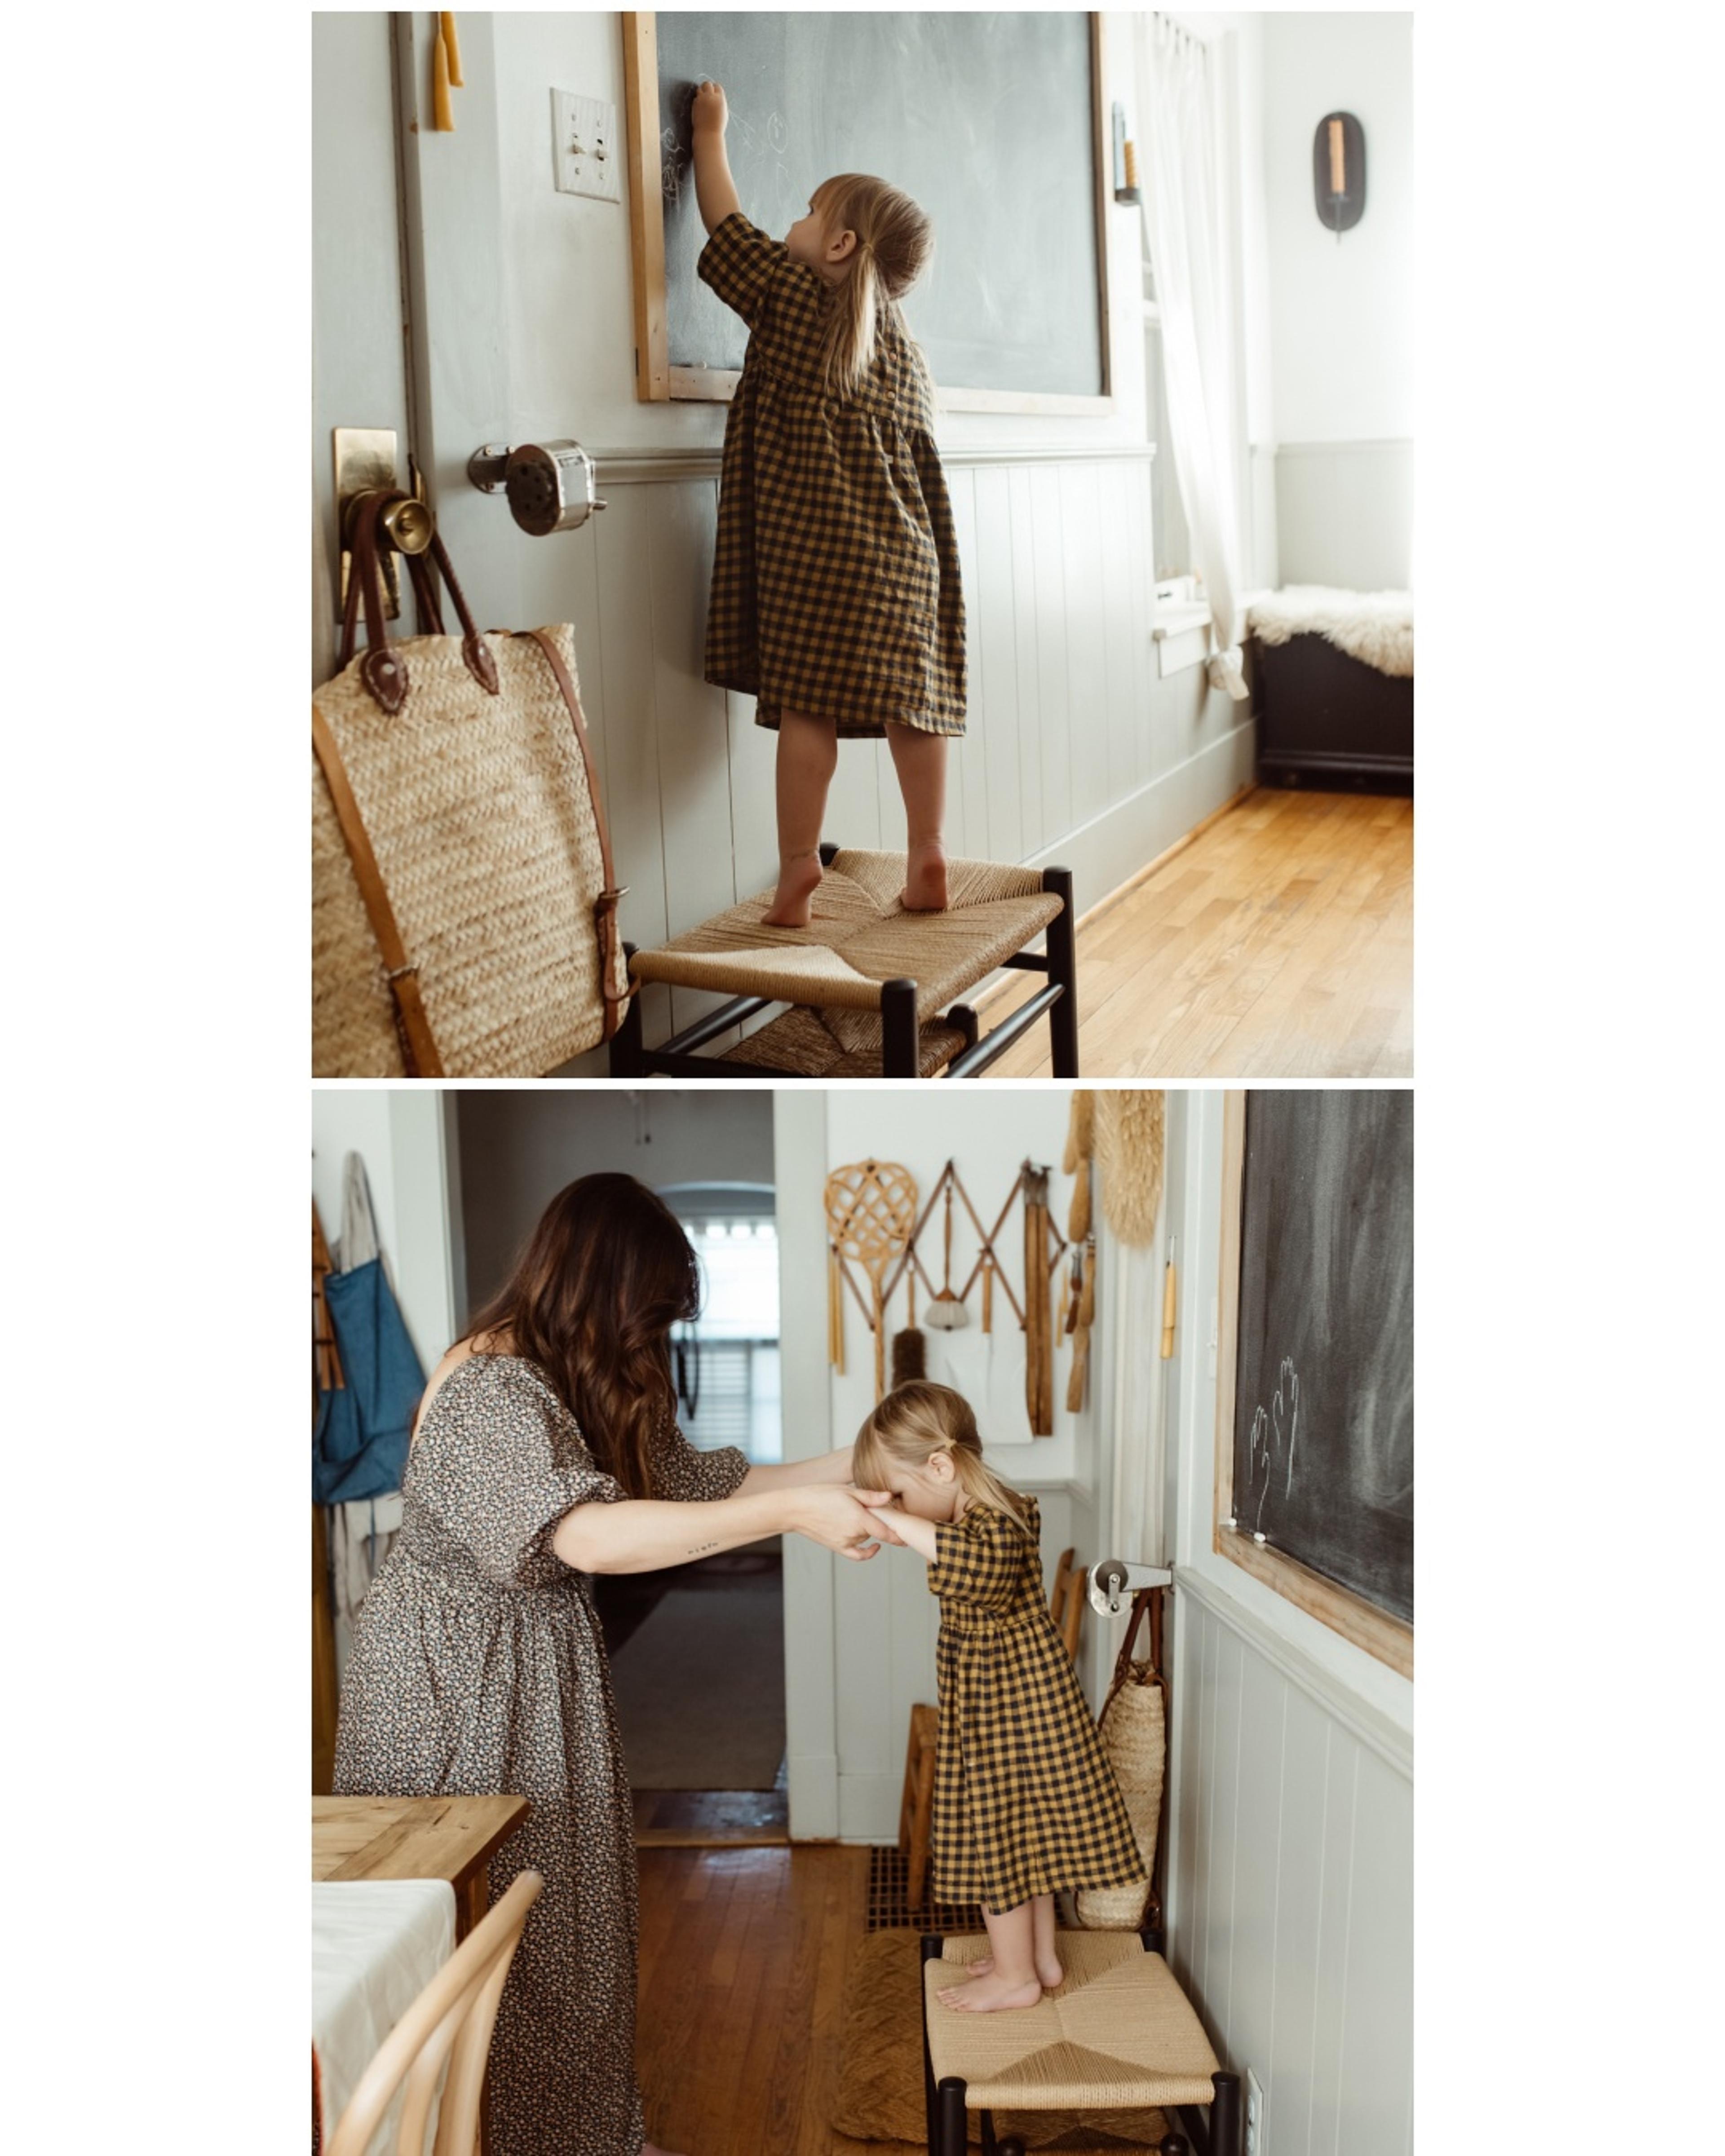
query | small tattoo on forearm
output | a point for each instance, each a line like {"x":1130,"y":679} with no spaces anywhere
{"x":700,"y":1549}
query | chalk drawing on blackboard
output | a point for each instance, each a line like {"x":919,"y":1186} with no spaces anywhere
{"x":1272,"y":1437}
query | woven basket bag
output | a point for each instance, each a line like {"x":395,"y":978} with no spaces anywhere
{"x":1133,"y":1725}
{"x":464,"y":906}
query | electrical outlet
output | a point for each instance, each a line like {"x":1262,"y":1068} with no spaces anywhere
{"x":1254,"y":2115}
{"x":584,"y":137}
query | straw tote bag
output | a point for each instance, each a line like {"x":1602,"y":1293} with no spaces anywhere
{"x":1134,"y":1730}
{"x":464,"y":906}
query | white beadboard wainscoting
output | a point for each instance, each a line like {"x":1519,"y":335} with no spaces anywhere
{"x":1291,"y":1880}
{"x":1079,"y":753}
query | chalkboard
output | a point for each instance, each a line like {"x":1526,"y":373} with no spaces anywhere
{"x":987,"y":121}
{"x":1323,"y":1400}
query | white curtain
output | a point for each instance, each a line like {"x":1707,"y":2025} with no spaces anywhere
{"x":1135,"y":1528}
{"x":1189,"y":252}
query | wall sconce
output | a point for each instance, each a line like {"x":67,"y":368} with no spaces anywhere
{"x":1338,"y":171}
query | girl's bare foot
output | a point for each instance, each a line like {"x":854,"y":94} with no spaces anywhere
{"x":798,"y":880}
{"x":925,"y":889}
{"x":1049,"y":1972}
{"x":991,"y":1994}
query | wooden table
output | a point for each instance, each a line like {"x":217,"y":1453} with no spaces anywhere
{"x":451,"y":1838}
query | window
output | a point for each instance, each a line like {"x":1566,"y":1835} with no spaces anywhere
{"x":726,"y":1364}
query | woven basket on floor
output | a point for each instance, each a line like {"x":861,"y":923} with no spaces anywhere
{"x":1134,"y":1732}
{"x":471,"y":822}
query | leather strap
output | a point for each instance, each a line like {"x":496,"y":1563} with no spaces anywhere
{"x":418,"y":1047}
{"x":384,"y":669}
{"x":605,"y":905}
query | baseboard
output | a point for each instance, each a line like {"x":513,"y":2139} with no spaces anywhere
{"x":1125,"y":845}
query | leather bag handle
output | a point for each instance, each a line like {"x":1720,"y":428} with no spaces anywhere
{"x":384,"y":669}
{"x":613,"y":981}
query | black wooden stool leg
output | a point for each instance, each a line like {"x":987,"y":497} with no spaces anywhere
{"x":1063,"y":968}
{"x":950,"y":2098}
{"x":931,"y":1944}
{"x":991,"y":2147}
{"x":1227,"y":2126}
{"x":899,"y":1056}
{"x":626,"y":1042}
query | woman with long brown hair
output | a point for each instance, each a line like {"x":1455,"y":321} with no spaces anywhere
{"x":547,"y":1450}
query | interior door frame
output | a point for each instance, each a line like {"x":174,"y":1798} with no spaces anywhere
{"x":811,"y":1689}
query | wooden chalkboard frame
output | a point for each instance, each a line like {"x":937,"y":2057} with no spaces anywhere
{"x":657,"y":381}
{"x":1380,"y":1633}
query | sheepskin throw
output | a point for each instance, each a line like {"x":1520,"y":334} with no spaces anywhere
{"x":1375,"y":626}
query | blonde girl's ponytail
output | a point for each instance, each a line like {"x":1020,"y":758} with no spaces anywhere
{"x":913,"y":1423}
{"x":893,"y":242}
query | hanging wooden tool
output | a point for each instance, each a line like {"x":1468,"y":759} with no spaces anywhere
{"x":871,"y":1214}
{"x":947,"y":1312}
{"x":909,"y":1350}
{"x":1038,"y":1324}
{"x":1084,"y":1315}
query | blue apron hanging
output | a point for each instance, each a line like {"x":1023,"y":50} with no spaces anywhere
{"x":359,"y":1442}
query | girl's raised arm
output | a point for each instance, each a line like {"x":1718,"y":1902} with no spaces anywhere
{"x":715,"y":190}
{"x":897,"y":1525}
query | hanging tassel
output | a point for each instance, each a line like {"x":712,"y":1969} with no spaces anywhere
{"x":987,"y":1293}
{"x":835,"y":1313}
{"x":443,"y":109}
{"x":452,"y":45}
{"x":909,"y":1350}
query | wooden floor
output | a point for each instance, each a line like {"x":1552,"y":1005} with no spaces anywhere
{"x":1278,"y":944}
{"x":743,"y":1958}
{"x":699,"y":1818}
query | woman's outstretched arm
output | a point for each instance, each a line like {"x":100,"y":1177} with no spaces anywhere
{"x":645,"y":1534}
{"x":715,"y":190}
{"x":798,"y":1474}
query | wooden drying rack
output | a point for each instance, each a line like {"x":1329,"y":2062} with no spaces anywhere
{"x":912,"y":1258}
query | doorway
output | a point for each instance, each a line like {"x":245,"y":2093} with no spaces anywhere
{"x":697,"y":1651}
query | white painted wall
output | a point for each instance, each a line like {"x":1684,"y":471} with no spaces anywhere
{"x":1342,"y":315}
{"x":1289,"y":1859}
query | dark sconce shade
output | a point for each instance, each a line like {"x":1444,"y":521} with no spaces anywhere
{"x":1338,"y":171}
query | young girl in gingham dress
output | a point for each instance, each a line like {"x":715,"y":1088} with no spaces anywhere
{"x":836,"y":600}
{"x":1025,"y":1803}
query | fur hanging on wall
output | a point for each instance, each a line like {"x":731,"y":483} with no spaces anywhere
{"x":1130,"y":1123}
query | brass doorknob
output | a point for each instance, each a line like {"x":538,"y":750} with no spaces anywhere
{"x":410,"y":524}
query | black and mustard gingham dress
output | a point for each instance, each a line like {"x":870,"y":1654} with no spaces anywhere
{"x":835,"y":587}
{"x":1024,"y":1800}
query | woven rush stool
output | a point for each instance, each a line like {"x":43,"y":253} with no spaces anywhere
{"x":1119,"y":2035}
{"x":871,"y":988}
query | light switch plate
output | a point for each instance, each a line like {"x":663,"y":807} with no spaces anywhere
{"x":586,"y":158}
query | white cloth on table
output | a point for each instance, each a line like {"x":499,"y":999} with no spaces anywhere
{"x":376,"y":1943}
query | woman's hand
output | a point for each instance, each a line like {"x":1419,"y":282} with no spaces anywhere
{"x":837,"y":1519}
{"x":883,"y":1511}
{"x":710,"y":114}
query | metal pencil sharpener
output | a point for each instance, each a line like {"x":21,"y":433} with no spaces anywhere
{"x":550,"y":486}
